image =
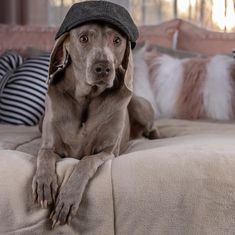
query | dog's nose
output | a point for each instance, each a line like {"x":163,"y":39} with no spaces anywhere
{"x":102,"y":69}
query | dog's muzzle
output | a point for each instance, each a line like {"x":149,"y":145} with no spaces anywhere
{"x":102,"y":73}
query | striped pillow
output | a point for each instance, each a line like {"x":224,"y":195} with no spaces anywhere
{"x":9,"y":61}
{"x":22,"y":96}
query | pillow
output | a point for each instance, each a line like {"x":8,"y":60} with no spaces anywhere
{"x":31,"y":52}
{"x":9,"y":61}
{"x":196,"y":39}
{"x":19,"y":37}
{"x":141,"y":84}
{"x":193,"y":88}
{"x":143,"y":55}
{"x":161,"y":34}
{"x":167,"y":51}
{"x":22,"y":97}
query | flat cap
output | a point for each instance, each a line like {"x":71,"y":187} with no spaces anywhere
{"x":104,"y":11}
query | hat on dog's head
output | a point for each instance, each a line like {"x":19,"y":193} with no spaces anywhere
{"x":114,"y":14}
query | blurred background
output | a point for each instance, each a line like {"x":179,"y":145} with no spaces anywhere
{"x":217,"y":15}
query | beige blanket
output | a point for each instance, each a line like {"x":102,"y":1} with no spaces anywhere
{"x":181,"y":184}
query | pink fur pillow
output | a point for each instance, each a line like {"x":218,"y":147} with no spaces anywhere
{"x":192,"y":88}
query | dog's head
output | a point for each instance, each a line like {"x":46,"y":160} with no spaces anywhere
{"x":96,"y":52}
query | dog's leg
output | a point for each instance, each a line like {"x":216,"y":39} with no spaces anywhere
{"x":70,"y":195}
{"x":45,"y":180}
{"x":141,"y":116}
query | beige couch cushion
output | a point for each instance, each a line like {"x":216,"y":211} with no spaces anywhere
{"x":182,"y":184}
{"x":20,"y":138}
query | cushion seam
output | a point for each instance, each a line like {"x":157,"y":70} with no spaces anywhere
{"x":26,"y":142}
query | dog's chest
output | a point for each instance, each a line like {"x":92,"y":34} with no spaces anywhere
{"x":85,"y":131}
{"x":78,"y":143}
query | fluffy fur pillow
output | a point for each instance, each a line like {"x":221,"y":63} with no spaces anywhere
{"x":193,"y":88}
{"x":141,"y":84}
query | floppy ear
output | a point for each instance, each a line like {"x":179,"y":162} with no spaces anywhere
{"x":59,"y":59}
{"x":127,"y":65}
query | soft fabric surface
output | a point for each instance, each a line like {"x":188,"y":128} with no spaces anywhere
{"x":194,"y":38}
{"x":161,"y":34}
{"x":183,"y":184}
{"x":182,"y":35}
{"x":19,"y":215}
{"x":19,"y":138}
{"x":189,"y":37}
{"x":192,"y":88}
{"x":22,"y":95}
{"x":8,"y":62}
{"x":20,"y":37}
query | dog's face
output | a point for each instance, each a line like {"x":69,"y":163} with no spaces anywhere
{"x":99,"y":50}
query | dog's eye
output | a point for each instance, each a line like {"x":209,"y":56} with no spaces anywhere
{"x":83,"y":39}
{"x":117,"y":41}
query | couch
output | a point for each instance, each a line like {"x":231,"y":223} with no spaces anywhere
{"x":182,"y":183}
{"x":177,"y":34}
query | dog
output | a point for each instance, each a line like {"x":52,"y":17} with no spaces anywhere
{"x":90,"y":113}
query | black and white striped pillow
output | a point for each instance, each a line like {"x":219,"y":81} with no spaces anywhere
{"x":9,"y":61}
{"x":22,"y":97}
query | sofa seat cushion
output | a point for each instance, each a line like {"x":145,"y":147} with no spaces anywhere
{"x":183,"y":184}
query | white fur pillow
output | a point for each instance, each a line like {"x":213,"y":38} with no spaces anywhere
{"x":193,"y":88}
{"x":142,"y":85}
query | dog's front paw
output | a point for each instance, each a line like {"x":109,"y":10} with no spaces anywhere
{"x":67,"y":204}
{"x":44,"y":188}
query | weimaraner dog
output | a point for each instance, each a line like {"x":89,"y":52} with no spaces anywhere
{"x":90,"y":113}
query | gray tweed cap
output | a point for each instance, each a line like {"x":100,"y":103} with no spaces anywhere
{"x":114,"y":14}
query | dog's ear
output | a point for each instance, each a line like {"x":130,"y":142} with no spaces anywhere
{"x":59,"y":59}
{"x":125,"y":59}
{"x":127,"y":65}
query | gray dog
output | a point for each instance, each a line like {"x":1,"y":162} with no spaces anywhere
{"x":90,"y":112}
